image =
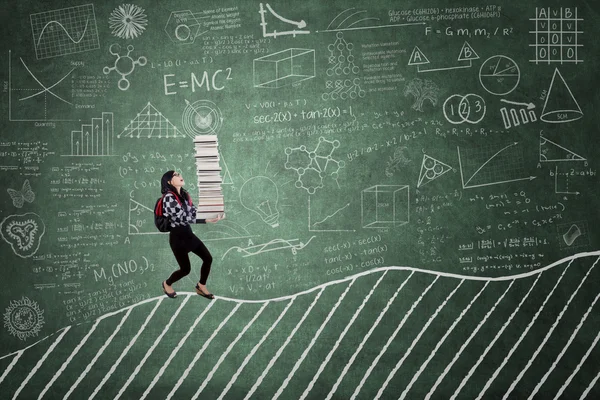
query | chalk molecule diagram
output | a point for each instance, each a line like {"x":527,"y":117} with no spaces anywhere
{"x":124,"y":65}
{"x":313,"y":166}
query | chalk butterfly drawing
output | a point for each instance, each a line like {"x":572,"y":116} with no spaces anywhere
{"x":25,"y":194}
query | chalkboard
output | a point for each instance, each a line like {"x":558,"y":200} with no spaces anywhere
{"x":410,"y":193}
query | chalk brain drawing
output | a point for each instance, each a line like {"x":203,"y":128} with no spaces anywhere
{"x":23,"y":232}
{"x":23,"y":318}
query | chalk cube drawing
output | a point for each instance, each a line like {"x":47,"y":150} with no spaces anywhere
{"x":284,"y":68}
{"x":385,"y":206}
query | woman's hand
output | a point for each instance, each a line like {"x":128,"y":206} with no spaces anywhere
{"x":219,"y":217}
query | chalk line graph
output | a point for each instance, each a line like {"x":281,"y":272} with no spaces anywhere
{"x":351,"y":17}
{"x":397,"y":322}
{"x":64,"y":31}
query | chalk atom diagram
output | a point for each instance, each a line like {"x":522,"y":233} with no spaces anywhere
{"x":124,"y":65}
{"x":65,"y":31}
{"x":313,"y":166}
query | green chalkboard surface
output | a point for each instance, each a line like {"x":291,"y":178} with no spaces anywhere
{"x":410,"y":191}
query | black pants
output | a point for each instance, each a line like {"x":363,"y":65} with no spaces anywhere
{"x":182,"y":241}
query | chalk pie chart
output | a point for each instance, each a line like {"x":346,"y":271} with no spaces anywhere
{"x":499,"y":75}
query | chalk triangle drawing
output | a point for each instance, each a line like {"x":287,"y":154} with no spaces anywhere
{"x":560,"y":105}
{"x":431,"y":169}
{"x":467,"y":53}
{"x":417,"y":57}
{"x":226,"y":175}
{"x":550,"y":151}
{"x":151,"y":123}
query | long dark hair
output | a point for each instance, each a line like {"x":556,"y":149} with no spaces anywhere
{"x":166,"y":187}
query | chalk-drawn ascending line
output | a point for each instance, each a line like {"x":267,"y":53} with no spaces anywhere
{"x":367,"y":336}
{"x":312,"y":342}
{"x":441,"y":342}
{"x":464,"y":184}
{"x":176,"y":350}
{"x":466,"y":343}
{"x":126,"y":350}
{"x":548,"y":334}
{"x":391,"y":338}
{"x":254,"y":350}
{"x":149,"y":352}
{"x":576,"y":370}
{"x":416,"y":339}
{"x":46,"y":89}
{"x":523,"y":334}
{"x":590,"y":386}
{"x":487,"y":349}
{"x":199,"y":354}
{"x":228,"y":350}
{"x":340,"y":338}
{"x":330,"y":216}
{"x":280,"y":350}
{"x":41,"y":361}
{"x":487,"y":161}
{"x":97,"y":356}
{"x":563,"y":351}
{"x":70,"y":358}
{"x":64,"y":29}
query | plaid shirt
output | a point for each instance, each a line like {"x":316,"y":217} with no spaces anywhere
{"x":180,"y":215}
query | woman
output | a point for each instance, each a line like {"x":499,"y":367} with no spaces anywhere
{"x":177,"y":205}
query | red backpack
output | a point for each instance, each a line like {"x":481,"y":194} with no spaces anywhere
{"x":162,"y":222}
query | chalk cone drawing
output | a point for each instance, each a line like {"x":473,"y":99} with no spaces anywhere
{"x":382,"y":333}
{"x":551,"y":151}
{"x":560,"y":105}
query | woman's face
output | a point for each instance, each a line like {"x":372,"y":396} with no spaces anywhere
{"x":177,"y":180}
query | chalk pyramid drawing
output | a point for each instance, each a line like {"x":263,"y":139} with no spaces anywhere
{"x":431,"y":169}
{"x":151,"y":123}
{"x":550,"y":151}
{"x":560,"y":105}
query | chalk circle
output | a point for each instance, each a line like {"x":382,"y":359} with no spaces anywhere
{"x":499,"y":75}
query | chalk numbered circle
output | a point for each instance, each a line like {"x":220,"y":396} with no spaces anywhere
{"x":499,"y":75}
{"x":468,"y":108}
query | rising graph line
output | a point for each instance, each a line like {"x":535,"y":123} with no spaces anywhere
{"x":488,"y":160}
{"x":64,"y":29}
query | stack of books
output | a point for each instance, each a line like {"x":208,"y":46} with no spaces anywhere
{"x":211,"y":202}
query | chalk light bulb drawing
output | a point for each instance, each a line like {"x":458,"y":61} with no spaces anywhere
{"x":259,"y":194}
